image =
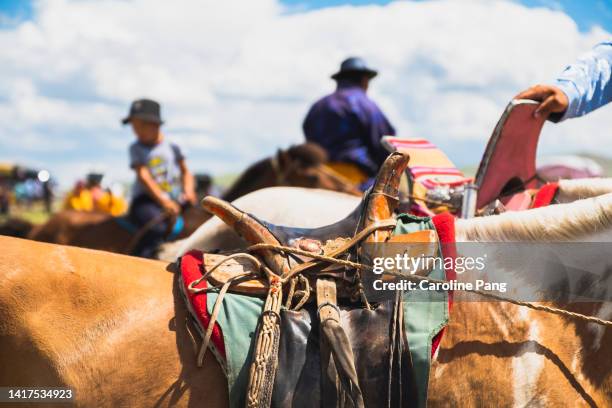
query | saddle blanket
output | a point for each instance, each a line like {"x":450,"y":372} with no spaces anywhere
{"x":234,"y":331}
{"x":429,"y":165}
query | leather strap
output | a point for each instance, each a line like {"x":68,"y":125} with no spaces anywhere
{"x":337,"y":359}
{"x":265,"y":354}
{"x":364,"y":233}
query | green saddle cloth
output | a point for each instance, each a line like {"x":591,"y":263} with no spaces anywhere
{"x":425,"y":314}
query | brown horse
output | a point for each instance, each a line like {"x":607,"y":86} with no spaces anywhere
{"x":301,"y":165}
{"x":16,"y":227}
{"x":108,"y":327}
{"x":101,"y":231}
{"x":104,"y":325}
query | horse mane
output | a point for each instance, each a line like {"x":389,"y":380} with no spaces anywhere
{"x":577,"y":189}
{"x":309,"y":154}
{"x":560,"y":222}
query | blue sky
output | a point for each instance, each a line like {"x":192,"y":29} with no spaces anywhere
{"x":586,"y":13}
{"x":236,"y":77}
{"x":15,"y":10}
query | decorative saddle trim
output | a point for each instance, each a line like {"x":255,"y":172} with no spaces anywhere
{"x":545,"y":195}
{"x":191,"y":269}
{"x":445,"y":228}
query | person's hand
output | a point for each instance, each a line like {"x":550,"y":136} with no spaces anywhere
{"x":190,"y":197}
{"x":553,"y":99}
{"x":171,"y":207}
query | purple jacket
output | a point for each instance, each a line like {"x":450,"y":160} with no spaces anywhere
{"x":349,"y":126}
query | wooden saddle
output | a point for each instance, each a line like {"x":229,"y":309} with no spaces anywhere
{"x":319,"y":268}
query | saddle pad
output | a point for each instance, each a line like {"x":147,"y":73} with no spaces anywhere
{"x":299,"y":384}
{"x":177,"y":228}
{"x":429,"y":165}
{"x":234,"y":329}
{"x":232,"y":336}
{"x":426,"y":312}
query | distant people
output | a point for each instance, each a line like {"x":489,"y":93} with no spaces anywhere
{"x":93,"y":182}
{"x":4,"y":198}
{"x":47,"y":195}
{"x":103,"y":198}
{"x":79,"y":198}
{"x":163,"y":181}
{"x":349,"y":125}
{"x":89,"y":195}
{"x":205,"y":186}
{"x":581,"y":88}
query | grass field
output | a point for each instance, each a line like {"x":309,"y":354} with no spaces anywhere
{"x":35,"y":213}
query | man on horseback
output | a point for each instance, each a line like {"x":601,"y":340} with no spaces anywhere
{"x":163,"y":181}
{"x":349,"y":125}
{"x":582,"y":87}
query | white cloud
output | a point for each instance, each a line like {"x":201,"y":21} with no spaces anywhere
{"x":236,"y":77}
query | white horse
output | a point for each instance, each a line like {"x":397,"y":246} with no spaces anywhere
{"x":530,"y":332}
{"x":311,"y":208}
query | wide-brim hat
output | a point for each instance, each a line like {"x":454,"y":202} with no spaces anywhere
{"x":354,"y":65}
{"x":144,"y":109}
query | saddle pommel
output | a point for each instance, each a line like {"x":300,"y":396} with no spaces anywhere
{"x":248,"y":228}
{"x":383,"y":198}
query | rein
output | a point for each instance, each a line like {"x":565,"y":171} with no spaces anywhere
{"x":135,"y":240}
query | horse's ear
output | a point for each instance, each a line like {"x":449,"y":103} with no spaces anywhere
{"x":283,"y":159}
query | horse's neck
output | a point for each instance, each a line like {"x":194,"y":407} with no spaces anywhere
{"x":257,"y":176}
{"x":588,"y":220}
{"x":578,"y":189}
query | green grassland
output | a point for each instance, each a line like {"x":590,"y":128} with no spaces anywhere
{"x":34,"y":213}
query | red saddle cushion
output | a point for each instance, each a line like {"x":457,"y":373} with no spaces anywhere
{"x":545,"y":195}
{"x":445,"y":228}
{"x":191,"y":270}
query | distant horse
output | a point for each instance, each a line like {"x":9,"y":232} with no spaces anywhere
{"x":301,"y":165}
{"x":16,"y":227}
